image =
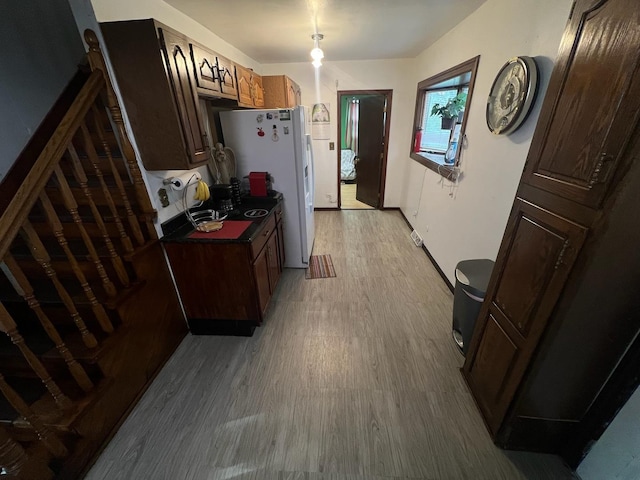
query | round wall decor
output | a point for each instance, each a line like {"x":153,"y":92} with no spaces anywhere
{"x":512,"y":95}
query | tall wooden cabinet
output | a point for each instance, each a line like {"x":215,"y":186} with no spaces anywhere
{"x":153,"y":68}
{"x":561,"y":309}
{"x":281,"y":92}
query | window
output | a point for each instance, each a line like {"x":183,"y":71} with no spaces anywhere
{"x":429,"y":147}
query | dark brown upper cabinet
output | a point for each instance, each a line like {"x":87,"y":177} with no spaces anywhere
{"x":155,"y":75}
{"x":214,"y":74}
{"x":227,"y":72}
{"x":584,"y":128}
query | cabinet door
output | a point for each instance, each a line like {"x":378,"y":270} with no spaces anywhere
{"x":243,"y":78}
{"x":257,"y":91}
{"x":273,"y":261}
{"x":206,"y":71}
{"x":227,"y":73}
{"x":180,"y":72}
{"x":586,"y":124}
{"x":261,"y":274}
{"x":281,"y":254}
{"x":536,"y":255}
{"x":293,"y":93}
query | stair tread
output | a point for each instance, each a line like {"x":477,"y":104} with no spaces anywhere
{"x":46,"y":409}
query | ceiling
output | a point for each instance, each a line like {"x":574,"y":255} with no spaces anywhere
{"x":279,"y":31}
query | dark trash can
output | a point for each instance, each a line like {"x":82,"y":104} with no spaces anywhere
{"x":472,"y":278}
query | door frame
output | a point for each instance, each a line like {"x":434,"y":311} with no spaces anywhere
{"x":388,"y":94}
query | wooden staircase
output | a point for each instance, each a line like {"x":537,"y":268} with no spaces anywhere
{"x":87,"y":305}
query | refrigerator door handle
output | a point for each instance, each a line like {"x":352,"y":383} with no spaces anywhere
{"x":312,"y":181}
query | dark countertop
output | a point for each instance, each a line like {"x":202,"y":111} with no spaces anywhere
{"x":178,"y":229}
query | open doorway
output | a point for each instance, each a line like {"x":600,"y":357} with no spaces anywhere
{"x":363,"y":132}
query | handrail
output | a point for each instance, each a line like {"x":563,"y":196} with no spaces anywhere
{"x":20,"y":205}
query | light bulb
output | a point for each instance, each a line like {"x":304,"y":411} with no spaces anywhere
{"x":317,"y":53}
{"x":317,"y":63}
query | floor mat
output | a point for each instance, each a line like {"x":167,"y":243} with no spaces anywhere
{"x":320,"y":266}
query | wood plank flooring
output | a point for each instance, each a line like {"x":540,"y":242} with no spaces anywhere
{"x":350,"y":378}
{"x":348,"y":198}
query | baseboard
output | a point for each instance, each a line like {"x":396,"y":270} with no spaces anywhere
{"x":433,"y":261}
{"x":535,"y":434}
{"x":328,"y":209}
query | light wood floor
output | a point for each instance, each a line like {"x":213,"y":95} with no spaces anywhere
{"x":348,"y":198}
{"x":350,"y":378}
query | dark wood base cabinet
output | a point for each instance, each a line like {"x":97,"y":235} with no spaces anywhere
{"x":225,"y":287}
{"x":562,"y":311}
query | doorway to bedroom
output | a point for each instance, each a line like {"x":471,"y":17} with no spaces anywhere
{"x":363,"y":130}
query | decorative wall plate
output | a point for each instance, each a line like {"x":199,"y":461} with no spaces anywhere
{"x":512,"y":95}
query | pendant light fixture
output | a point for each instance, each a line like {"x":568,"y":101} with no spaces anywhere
{"x":317,"y":54}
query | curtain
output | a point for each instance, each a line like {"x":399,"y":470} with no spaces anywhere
{"x":353,"y":117}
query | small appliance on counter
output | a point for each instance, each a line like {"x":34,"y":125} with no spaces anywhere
{"x":222,"y":197}
{"x":259,"y":184}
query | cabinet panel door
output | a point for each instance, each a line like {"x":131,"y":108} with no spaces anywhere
{"x":179,"y":66}
{"x":586,"y":124}
{"x":257,"y":91}
{"x":281,"y":254}
{"x":535,"y":258}
{"x":273,"y":261}
{"x":227,"y":73}
{"x":261,"y":274}
{"x":243,"y":77}
{"x":293,"y":94}
{"x":206,"y":70}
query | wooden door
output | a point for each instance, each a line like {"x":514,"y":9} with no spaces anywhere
{"x":243,"y":81}
{"x":227,"y":74}
{"x":180,"y":72}
{"x":257,"y":92}
{"x":370,"y":149}
{"x":273,"y":261}
{"x":293,"y":93}
{"x":535,"y":258}
{"x":206,"y":71}
{"x":261,"y":274}
{"x":587,"y":121}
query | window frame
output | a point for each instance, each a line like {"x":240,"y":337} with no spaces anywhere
{"x":424,"y":159}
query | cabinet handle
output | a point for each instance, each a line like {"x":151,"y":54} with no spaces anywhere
{"x":561,"y":255}
{"x":598,"y":171}
{"x":266,"y":233}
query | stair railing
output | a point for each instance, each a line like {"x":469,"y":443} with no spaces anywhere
{"x":81,"y":203}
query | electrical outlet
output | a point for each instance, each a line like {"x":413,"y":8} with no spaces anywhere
{"x":332,"y":146}
{"x":164,"y":198}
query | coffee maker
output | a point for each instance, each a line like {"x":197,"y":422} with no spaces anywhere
{"x":221,"y":198}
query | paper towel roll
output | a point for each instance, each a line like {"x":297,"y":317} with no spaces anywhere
{"x":179,"y":182}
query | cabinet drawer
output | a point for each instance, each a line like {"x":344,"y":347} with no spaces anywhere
{"x":278,"y":213}
{"x":262,"y":237}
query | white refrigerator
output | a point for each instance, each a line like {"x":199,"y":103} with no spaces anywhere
{"x":277,"y":141}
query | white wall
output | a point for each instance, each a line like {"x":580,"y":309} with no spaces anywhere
{"x":616,"y":455}
{"x":39,"y":56}
{"x":356,"y":75}
{"x":470,"y":222}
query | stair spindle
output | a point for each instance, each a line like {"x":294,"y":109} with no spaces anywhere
{"x":8,"y":326}
{"x":95,"y":161}
{"x":49,"y":440}
{"x":131,"y":216}
{"x":96,"y":60}
{"x":58,"y":232}
{"x":23,"y":287}
{"x":17,"y":463}
{"x":72,"y":207}
{"x":41,"y":256}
